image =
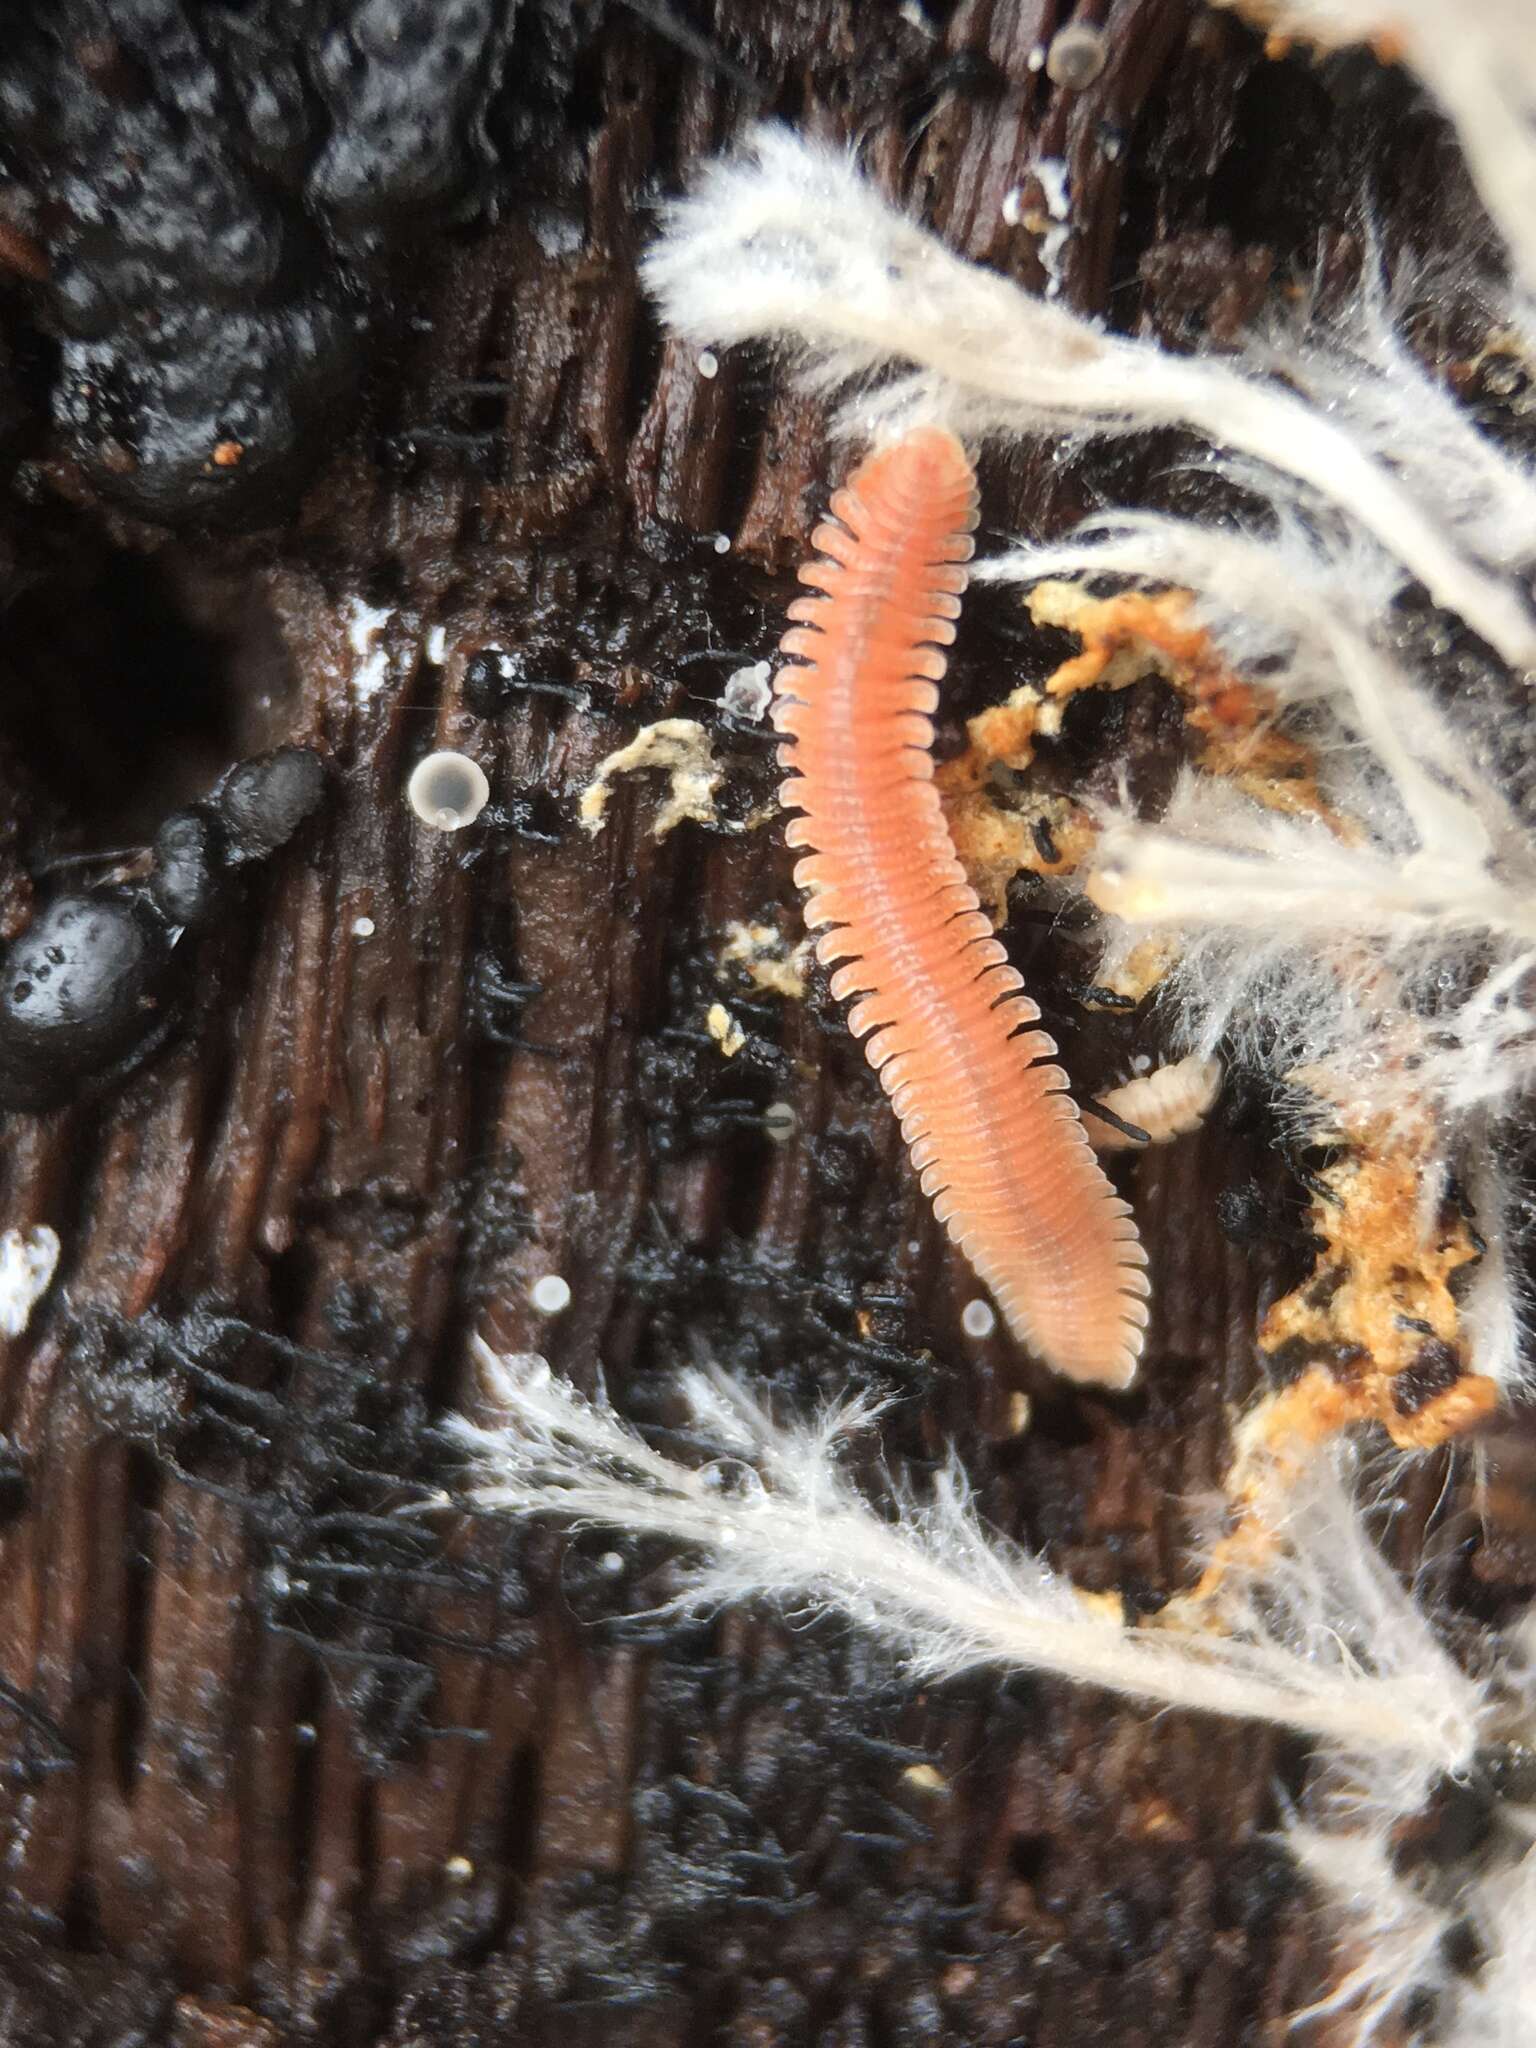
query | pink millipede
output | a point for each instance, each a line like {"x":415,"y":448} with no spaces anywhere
{"x":993,"y":1134}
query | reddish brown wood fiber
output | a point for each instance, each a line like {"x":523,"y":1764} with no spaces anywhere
{"x":993,"y":1133}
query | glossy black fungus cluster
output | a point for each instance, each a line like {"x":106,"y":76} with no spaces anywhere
{"x":92,"y":988}
{"x":220,"y":189}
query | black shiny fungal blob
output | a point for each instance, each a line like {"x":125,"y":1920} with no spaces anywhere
{"x":91,"y":989}
{"x":263,"y":802}
{"x":185,"y":883}
{"x":405,"y":83}
{"x":84,"y":990}
{"x":491,"y":678}
{"x":495,"y":678}
{"x":223,"y":193}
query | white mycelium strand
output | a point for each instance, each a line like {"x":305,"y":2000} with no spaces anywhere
{"x":1319,"y":946}
{"x":1270,"y":595}
{"x":1323,"y":1640}
{"x":1394,"y":1920}
{"x":1309,"y":936}
{"x":1330,"y":1645}
{"x":789,"y":243}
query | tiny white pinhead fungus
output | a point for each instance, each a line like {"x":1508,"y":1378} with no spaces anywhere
{"x":447,"y":791}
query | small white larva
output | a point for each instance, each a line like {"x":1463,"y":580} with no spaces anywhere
{"x":1165,"y":1103}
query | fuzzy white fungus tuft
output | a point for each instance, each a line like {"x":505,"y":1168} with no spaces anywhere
{"x":1397,"y":941}
{"x":789,"y":243}
{"x":1329,"y":1644}
{"x":1478,"y":59}
{"x":1321,"y":1638}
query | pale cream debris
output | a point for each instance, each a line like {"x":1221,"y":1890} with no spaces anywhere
{"x":675,"y":747}
{"x":1053,"y":177}
{"x":365,"y":625}
{"x":27,"y":1264}
{"x":926,"y":1779}
{"x":724,"y":1030}
{"x":767,"y":958}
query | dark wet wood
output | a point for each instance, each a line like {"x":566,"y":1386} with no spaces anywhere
{"x":271,"y":1778}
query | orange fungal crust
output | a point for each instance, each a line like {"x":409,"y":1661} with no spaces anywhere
{"x":994,"y":1135}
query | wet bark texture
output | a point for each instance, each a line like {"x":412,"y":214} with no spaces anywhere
{"x":281,"y":1768}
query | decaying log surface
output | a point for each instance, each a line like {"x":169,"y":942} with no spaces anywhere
{"x":280,"y":1768}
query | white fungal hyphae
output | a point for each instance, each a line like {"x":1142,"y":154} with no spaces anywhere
{"x":1328,"y":1644}
{"x":447,"y":791}
{"x":1478,"y":59}
{"x":1462,"y":1930}
{"x":1366,"y":941}
{"x":27,"y":1266}
{"x":1321,"y":1639}
{"x":1384,"y":939}
{"x":790,"y":243}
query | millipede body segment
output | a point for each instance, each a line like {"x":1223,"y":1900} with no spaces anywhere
{"x":993,"y":1133}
